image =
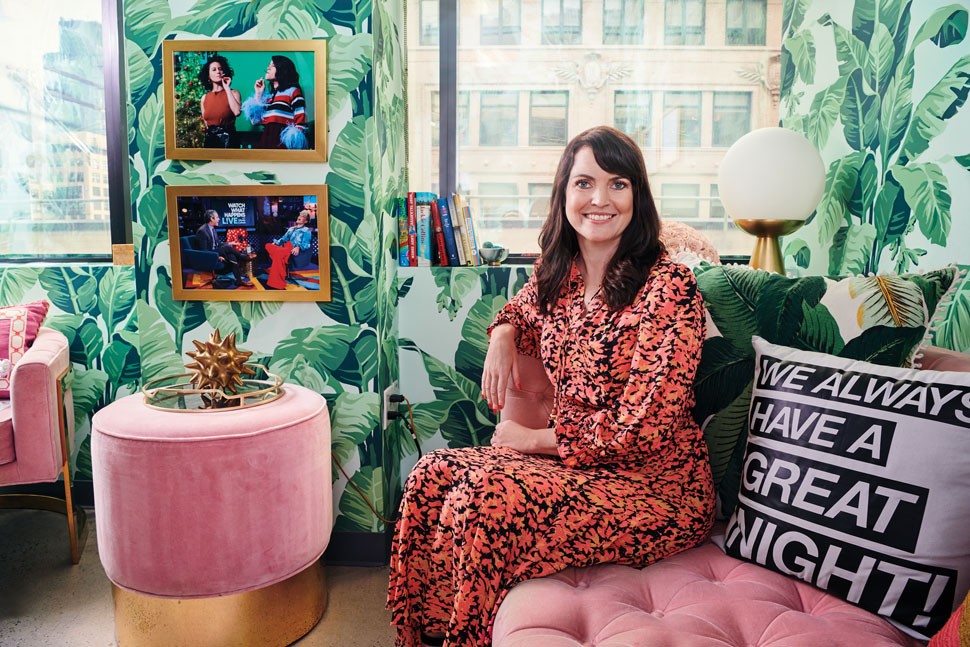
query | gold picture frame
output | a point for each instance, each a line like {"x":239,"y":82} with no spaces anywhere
{"x":256,"y":249}
{"x":295,"y":114}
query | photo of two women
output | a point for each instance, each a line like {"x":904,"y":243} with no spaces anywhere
{"x":240,"y":100}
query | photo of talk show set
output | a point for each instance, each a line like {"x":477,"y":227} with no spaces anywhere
{"x":238,"y":243}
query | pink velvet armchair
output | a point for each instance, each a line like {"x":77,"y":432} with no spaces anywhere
{"x":36,"y":433}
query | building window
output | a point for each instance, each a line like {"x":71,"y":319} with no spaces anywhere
{"x":501,"y":22}
{"x":435,"y":121}
{"x":716,"y":210}
{"x":746,"y":22}
{"x":499,"y":200}
{"x":632,"y":113}
{"x":540,"y":196}
{"x":732,"y":117}
{"x":428,"y":10}
{"x":622,"y":22}
{"x":684,"y":22}
{"x":682,"y":120}
{"x":547,"y":118}
{"x":52,"y":115}
{"x":464,"y":118}
{"x":499,"y":119}
{"x":562,"y":22}
{"x":680,"y":201}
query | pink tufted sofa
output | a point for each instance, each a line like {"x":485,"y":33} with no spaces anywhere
{"x":699,"y":598}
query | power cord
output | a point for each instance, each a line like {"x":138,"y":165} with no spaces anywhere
{"x":409,"y":424}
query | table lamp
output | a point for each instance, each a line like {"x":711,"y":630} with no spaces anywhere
{"x":770,"y":182}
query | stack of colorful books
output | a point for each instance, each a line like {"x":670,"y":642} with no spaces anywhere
{"x":435,"y":231}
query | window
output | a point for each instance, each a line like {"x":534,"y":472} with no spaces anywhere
{"x":435,"y":114}
{"x":429,"y":22}
{"x":680,"y":201}
{"x":562,"y":22}
{"x":746,"y":22}
{"x":499,"y":119}
{"x":684,"y":22}
{"x":514,"y":107}
{"x":632,"y":113}
{"x":52,"y":115}
{"x":622,"y":22}
{"x":547,"y":118}
{"x":682,"y":120}
{"x":732,"y":117}
{"x":501,"y":22}
{"x":499,"y":200}
{"x":716,"y":211}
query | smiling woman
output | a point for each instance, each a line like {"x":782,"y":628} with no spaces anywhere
{"x":54,"y":198}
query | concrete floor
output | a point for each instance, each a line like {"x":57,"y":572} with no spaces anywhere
{"x":45,"y":601}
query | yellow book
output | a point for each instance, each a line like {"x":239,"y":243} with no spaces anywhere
{"x":466,"y":243}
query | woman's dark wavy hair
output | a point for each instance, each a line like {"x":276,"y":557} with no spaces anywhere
{"x":286,"y":74}
{"x":204,"y":72}
{"x":640,"y":245}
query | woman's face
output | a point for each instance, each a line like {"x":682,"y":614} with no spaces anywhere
{"x":599,"y":205}
{"x":271,"y":72}
{"x":215,"y":72}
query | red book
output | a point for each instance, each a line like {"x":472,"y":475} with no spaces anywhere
{"x":439,"y":233}
{"x":412,"y":231}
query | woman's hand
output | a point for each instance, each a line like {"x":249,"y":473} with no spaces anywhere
{"x":500,"y":363}
{"x":258,"y":86}
{"x":226,"y":82}
{"x":511,"y":434}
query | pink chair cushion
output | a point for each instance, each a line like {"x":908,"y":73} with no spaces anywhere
{"x":699,"y":598}
{"x":18,"y":329}
{"x":7,"y":454}
{"x":205,"y":504}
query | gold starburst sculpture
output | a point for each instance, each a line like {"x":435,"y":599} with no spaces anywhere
{"x":218,"y":363}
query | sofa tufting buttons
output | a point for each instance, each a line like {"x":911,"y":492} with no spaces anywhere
{"x":658,"y":614}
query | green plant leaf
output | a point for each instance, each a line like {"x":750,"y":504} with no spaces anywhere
{"x":865,"y":188}
{"x":144,"y":22}
{"x":840,"y":181}
{"x":349,"y":173}
{"x":159,"y":357}
{"x":849,"y":50}
{"x":285,"y":20}
{"x":868,"y":16}
{"x":355,"y":416}
{"x":349,"y":14}
{"x":14,"y":283}
{"x":455,"y":284}
{"x":928,"y":195}
{"x":963,"y":160}
{"x":779,"y":306}
{"x":940,"y":104}
{"x":881,"y":57}
{"x":850,"y":249}
{"x":891,"y":213}
{"x":325,"y":349}
{"x":150,"y":135}
{"x":888,"y":300}
{"x":800,"y":251}
{"x":883,"y":345}
{"x":84,"y":337}
{"x":183,"y":316}
{"x":954,"y":331}
{"x":819,"y":331}
{"x":789,"y":73}
{"x":121,"y":362}
{"x":151,"y":215}
{"x":801,"y":46}
{"x":141,"y":73}
{"x":355,"y":515}
{"x":87,"y":390}
{"x":348,"y":63}
{"x":860,"y":114}
{"x":824,"y":112}
{"x":73,"y":290}
{"x":731,"y":296}
{"x":221,"y":316}
{"x":793,"y":15}
{"x":470,"y":355}
{"x":725,"y":431}
{"x":722,"y":374}
{"x":946,"y":26}
{"x":116,"y":296}
{"x":896,"y":109}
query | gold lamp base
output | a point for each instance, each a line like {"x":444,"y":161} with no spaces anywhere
{"x":279,"y":614}
{"x":767,"y":249}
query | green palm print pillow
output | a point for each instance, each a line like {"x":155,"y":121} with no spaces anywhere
{"x":878,"y":319}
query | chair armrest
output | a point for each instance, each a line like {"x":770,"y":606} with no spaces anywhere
{"x":35,"y":406}
{"x":934,"y":358}
{"x":200,"y":259}
{"x":530,"y":405}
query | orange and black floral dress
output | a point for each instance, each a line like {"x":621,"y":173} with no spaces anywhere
{"x":631,"y":485}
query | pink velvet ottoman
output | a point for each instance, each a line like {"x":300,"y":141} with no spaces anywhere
{"x":698,"y":598}
{"x":211,"y":524}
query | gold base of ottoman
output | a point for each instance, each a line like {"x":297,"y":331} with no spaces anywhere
{"x":279,"y":614}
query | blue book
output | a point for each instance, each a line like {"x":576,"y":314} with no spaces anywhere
{"x":449,"y":232}
{"x":424,"y":227}
{"x":401,"y":208}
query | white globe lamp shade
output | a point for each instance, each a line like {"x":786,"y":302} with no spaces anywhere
{"x":769,"y":182}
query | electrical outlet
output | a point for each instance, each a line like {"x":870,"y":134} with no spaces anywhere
{"x":388,"y":406}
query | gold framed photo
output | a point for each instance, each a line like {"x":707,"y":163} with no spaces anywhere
{"x":249,"y":243}
{"x":259,"y":100}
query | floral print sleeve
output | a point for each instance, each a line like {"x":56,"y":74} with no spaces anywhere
{"x":522,"y":312}
{"x":642,"y":362}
